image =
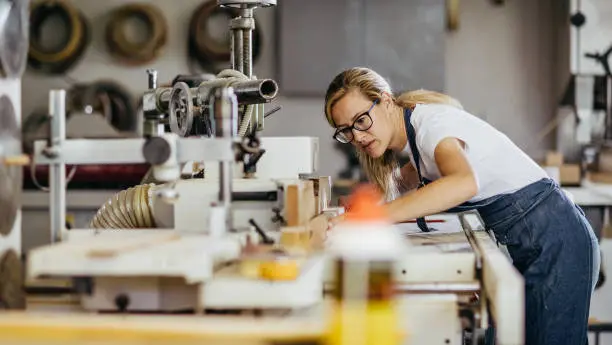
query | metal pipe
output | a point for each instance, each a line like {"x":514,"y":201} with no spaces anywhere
{"x":225,"y":113}
{"x":152,"y":74}
{"x":57,"y":173}
{"x":247,"y":92}
{"x":255,"y":91}
{"x":427,"y":288}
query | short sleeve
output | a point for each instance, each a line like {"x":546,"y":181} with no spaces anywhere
{"x":437,"y":123}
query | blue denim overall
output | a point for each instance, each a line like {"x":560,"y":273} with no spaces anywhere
{"x":551,"y":244}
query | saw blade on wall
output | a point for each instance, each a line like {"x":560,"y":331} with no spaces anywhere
{"x":10,"y":175}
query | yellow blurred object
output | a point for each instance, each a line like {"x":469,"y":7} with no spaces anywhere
{"x":295,"y":238}
{"x":279,"y":269}
{"x":16,"y":160}
{"x":377,"y":322}
{"x":249,"y":267}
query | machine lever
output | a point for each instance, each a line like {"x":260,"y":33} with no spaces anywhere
{"x":264,"y":237}
{"x":272,"y":111}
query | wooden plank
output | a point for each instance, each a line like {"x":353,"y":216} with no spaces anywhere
{"x":82,"y":328}
{"x":504,"y":287}
{"x":120,"y":246}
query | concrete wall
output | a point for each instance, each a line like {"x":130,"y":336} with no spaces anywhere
{"x":503,"y":64}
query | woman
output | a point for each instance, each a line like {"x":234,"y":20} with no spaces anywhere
{"x":471,"y":165}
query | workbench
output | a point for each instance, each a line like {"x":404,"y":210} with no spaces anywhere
{"x":430,"y":295}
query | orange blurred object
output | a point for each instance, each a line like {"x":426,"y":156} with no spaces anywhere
{"x":365,"y":205}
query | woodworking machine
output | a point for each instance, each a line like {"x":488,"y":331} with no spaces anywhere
{"x":232,"y":221}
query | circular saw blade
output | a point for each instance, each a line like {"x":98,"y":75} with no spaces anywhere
{"x":12,"y":292}
{"x":10,"y":176}
{"x":14,"y":36}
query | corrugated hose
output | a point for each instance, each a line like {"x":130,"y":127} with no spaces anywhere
{"x":129,"y":209}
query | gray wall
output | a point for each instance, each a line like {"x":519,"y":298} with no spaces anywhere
{"x":502,"y":64}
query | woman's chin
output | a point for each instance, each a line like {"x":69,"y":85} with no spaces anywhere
{"x":374,"y":151}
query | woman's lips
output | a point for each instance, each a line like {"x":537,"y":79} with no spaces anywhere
{"x":368,"y":145}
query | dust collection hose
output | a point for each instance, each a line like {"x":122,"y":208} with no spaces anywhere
{"x":128,"y":209}
{"x":206,"y":50}
{"x":57,"y":61}
{"x":136,"y":53}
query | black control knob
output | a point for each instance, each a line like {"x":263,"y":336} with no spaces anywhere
{"x":122,"y":301}
{"x":578,"y":19}
{"x":156,"y":150}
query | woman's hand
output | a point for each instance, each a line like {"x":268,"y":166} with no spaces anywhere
{"x":335,"y":221}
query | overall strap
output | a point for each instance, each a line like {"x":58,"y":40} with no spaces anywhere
{"x":416,"y":158}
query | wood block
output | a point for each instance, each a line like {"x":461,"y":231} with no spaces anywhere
{"x":318,"y":231}
{"x":296,"y":238}
{"x":604,"y":162}
{"x":292,"y":205}
{"x":600,"y":177}
{"x":570,"y":174}
{"x":554,"y":159}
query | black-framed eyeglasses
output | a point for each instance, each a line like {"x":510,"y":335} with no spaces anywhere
{"x":362,"y":123}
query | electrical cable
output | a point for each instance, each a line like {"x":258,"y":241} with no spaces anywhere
{"x":60,"y":60}
{"x":125,"y":50}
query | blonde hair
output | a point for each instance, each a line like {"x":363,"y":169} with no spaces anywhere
{"x":383,"y":171}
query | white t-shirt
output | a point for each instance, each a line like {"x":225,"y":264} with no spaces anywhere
{"x":499,"y":165}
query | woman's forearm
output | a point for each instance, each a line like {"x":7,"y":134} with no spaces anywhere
{"x":438,"y":196}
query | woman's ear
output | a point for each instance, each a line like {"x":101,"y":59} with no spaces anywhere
{"x":387,"y":99}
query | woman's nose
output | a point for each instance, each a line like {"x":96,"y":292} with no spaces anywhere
{"x":359,"y":136}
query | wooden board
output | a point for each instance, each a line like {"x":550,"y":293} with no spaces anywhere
{"x":82,"y":328}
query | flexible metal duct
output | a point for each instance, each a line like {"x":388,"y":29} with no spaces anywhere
{"x":129,"y":209}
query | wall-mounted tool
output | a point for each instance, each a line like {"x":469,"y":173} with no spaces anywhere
{"x":210,"y":53}
{"x":12,"y":295}
{"x":128,"y":52}
{"x":57,"y":60}
{"x":14,"y":36}
{"x":108,"y":98}
{"x":10,"y":173}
